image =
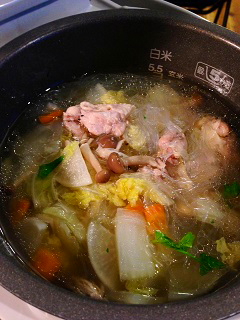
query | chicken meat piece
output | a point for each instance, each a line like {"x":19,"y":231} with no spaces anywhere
{"x":97,"y":119}
{"x":105,"y":118}
{"x":211,"y":145}
{"x":214,"y":133}
{"x":172,"y":144}
{"x":71,"y":121}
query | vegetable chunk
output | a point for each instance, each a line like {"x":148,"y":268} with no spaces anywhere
{"x":103,"y":255}
{"x":73,"y":171}
{"x":134,"y":255}
{"x":120,"y":193}
{"x":47,"y":263}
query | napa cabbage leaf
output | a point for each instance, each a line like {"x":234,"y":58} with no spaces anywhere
{"x":119,"y":193}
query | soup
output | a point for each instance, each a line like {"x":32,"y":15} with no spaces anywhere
{"x":124,"y":188}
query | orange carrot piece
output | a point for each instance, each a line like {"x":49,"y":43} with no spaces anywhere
{"x":20,"y":209}
{"x":156,"y":218}
{"x":47,"y":263}
{"x":154,"y":214}
{"x":47,"y":118}
{"x":139,"y":207}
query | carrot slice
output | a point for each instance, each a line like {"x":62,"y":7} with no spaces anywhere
{"x":47,"y":118}
{"x":47,"y":263}
{"x":139,"y":207}
{"x":20,"y":209}
{"x":155,"y":215}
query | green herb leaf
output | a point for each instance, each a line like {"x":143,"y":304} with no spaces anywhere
{"x":231,"y":190}
{"x":46,"y":169}
{"x":182,"y":246}
{"x":160,"y":237}
{"x":187,"y":241}
{"x":208,"y":263}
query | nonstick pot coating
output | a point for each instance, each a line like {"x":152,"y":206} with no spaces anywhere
{"x":169,"y":43}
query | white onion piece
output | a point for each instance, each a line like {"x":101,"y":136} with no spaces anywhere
{"x":102,"y":254}
{"x":73,"y":171}
{"x":134,"y":255}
